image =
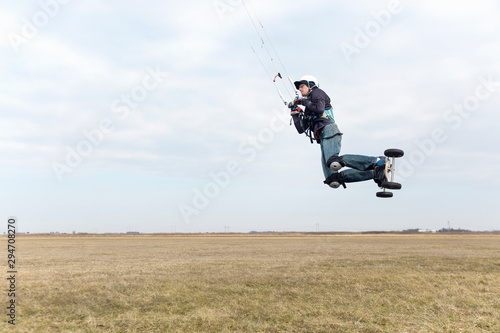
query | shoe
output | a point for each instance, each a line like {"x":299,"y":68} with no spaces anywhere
{"x":382,"y":160}
{"x":380,"y":177}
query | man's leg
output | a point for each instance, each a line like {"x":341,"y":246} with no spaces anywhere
{"x":331,"y":141}
{"x":358,"y":162}
{"x":337,"y":179}
{"x":353,"y":175}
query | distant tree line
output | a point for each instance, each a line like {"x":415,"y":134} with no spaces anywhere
{"x":453,"y":230}
{"x":440,"y":230}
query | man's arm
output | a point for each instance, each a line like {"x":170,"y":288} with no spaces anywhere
{"x":316,"y":104}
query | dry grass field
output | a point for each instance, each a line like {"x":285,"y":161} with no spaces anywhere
{"x":258,"y":283}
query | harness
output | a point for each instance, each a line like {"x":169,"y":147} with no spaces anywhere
{"x":329,"y":114}
{"x":309,"y":121}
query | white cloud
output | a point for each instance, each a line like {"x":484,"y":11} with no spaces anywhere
{"x":456,"y":10}
{"x":395,"y":91}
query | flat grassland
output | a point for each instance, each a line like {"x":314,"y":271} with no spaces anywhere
{"x":257,"y":283}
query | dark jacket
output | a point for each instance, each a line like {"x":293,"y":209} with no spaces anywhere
{"x":311,"y":120}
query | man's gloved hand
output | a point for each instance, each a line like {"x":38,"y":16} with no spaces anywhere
{"x":296,"y":101}
{"x":295,"y":110}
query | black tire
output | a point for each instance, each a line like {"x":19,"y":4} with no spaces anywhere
{"x":391,"y":185}
{"x":393,"y":152}
{"x":384,"y":194}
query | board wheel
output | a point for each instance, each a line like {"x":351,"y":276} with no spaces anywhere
{"x":391,"y":185}
{"x":393,"y":152}
{"x":384,"y":194}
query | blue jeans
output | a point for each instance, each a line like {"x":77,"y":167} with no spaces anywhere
{"x":362,"y":167}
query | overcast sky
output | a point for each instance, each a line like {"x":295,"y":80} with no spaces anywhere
{"x":158,"y":117}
